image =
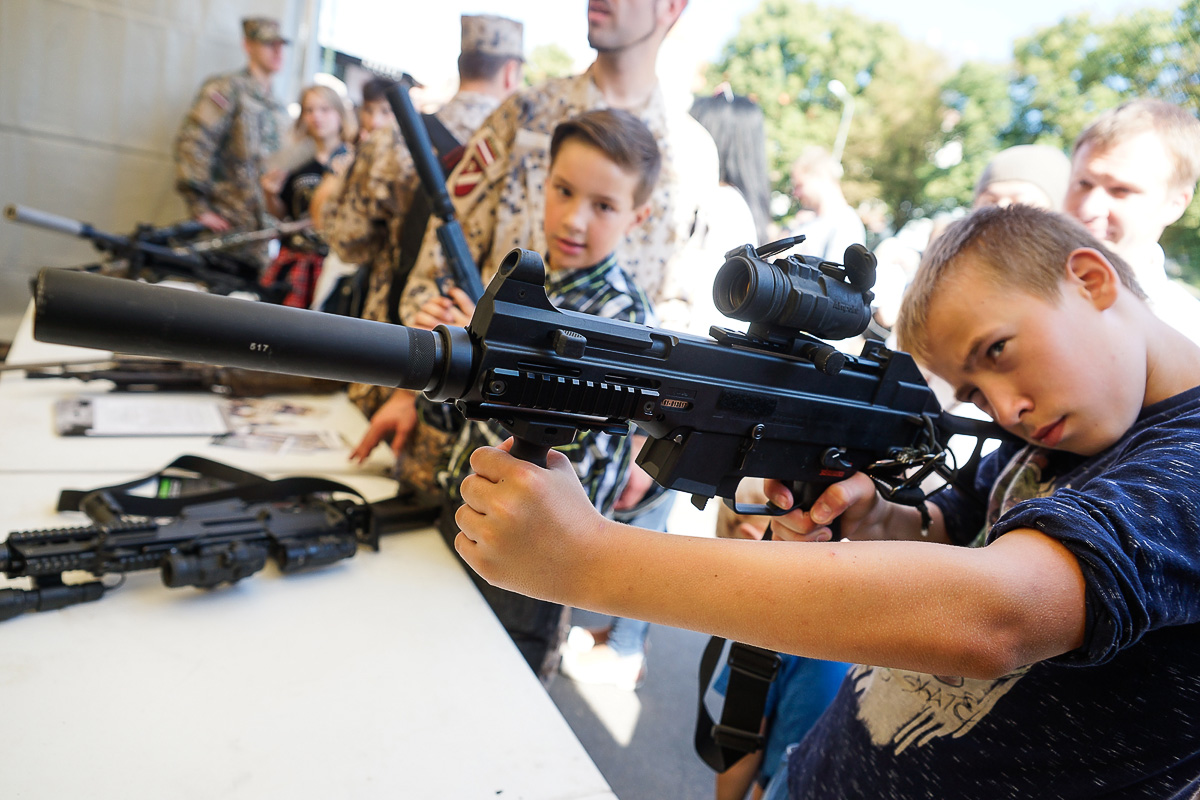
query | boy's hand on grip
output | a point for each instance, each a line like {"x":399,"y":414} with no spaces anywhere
{"x":522,"y":527}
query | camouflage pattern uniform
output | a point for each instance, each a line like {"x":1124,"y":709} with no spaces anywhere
{"x":363,"y":225}
{"x":498,"y":189}
{"x":232,"y":126}
{"x":366,"y":223}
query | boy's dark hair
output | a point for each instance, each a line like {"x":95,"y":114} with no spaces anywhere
{"x":374,"y":90}
{"x":622,"y":137}
{"x":476,"y":66}
{"x":1016,"y":246}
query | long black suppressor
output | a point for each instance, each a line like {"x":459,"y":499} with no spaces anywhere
{"x":79,"y":308}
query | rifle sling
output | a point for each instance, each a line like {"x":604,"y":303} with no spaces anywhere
{"x":246,"y":486}
{"x":751,"y":671}
{"x":412,"y":233}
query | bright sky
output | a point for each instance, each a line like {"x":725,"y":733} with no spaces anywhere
{"x":390,"y":33}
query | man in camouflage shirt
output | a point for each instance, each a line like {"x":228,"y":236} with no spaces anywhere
{"x":233,"y":125}
{"x":497,"y":187}
{"x":364,"y":224}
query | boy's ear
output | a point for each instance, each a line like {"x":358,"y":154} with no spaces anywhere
{"x":1177,"y":202}
{"x":1088,"y":271}
{"x":641,"y":214}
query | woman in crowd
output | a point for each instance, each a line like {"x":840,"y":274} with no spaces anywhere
{"x":328,"y":128}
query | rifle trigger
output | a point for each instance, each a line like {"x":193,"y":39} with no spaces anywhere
{"x":569,"y":344}
{"x":756,"y":435}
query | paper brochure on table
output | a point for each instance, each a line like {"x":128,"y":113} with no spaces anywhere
{"x":139,"y":415}
{"x":263,"y":424}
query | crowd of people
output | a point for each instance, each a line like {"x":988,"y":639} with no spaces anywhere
{"x":1038,"y":646}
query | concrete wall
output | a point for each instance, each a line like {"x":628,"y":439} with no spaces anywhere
{"x":91,"y":95}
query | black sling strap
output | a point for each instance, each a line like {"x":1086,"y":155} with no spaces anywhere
{"x":190,"y":480}
{"x":751,"y":670}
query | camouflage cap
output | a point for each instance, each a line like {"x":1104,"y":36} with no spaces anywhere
{"x":262,"y":29}
{"x":492,"y":35}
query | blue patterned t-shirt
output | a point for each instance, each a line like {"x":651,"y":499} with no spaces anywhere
{"x":1117,"y":718}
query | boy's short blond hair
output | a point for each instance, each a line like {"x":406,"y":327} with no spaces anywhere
{"x":620,"y":136}
{"x":1178,"y":129}
{"x":1014,"y":247}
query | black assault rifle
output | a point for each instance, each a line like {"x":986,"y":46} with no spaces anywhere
{"x":205,"y":525}
{"x":774,"y":402}
{"x":156,"y":253}
{"x":459,"y":261}
{"x":210,"y":544}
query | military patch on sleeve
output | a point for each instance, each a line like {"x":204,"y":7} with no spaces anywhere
{"x":483,"y":156}
{"x":211,"y":108}
{"x":219,"y":99}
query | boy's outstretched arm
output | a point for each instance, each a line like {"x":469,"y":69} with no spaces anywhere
{"x":914,"y":605}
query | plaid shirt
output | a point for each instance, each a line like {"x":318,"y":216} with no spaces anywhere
{"x":601,"y":459}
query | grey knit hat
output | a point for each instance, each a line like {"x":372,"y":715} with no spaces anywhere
{"x":1046,"y":167}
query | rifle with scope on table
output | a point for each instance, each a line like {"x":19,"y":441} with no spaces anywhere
{"x":201,"y":523}
{"x":154,"y":254}
{"x":774,"y":402}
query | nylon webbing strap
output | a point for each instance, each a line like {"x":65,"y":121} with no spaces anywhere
{"x":245,"y":486}
{"x":751,"y":670}
{"x":70,"y":499}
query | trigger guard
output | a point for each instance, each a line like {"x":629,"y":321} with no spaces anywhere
{"x":756,"y":509}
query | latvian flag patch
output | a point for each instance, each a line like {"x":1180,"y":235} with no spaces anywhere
{"x":475,"y":166}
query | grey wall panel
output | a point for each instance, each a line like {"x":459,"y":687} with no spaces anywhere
{"x":91,"y":95}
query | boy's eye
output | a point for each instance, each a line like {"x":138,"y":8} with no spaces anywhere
{"x":994,"y":352}
{"x":978,"y":399}
{"x":604,"y":207}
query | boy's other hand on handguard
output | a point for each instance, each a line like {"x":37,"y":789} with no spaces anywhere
{"x":525,"y":528}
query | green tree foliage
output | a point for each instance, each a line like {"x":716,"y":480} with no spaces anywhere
{"x":921,"y":132}
{"x":979,"y":105}
{"x":547,"y":61}
{"x":784,"y":55}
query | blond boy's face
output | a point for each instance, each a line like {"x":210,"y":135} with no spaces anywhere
{"x":589,"y":206}
{"x":1052,"y":373}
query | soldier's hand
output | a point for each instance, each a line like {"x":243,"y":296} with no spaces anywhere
{"x":213,"y":221}
{"x":463,"y":308}
{"x":397,"y":418}
{"x":731,"y":525}
{"x":272,"y":182}
{"x":453,"y":310}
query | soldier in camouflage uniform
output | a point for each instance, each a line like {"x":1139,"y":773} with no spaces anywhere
{"x":363,"y":225}
{"x":233,"y":125}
